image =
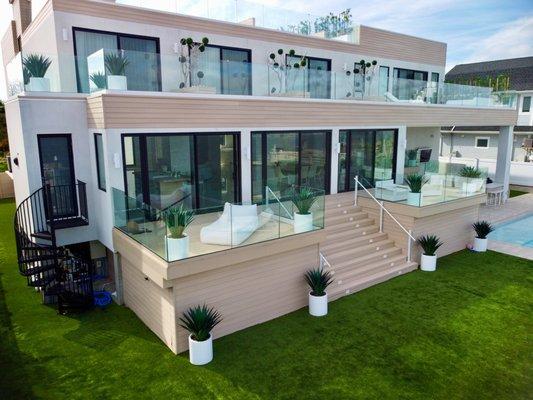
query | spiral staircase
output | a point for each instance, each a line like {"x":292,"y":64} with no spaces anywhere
{"x":62,"y":277}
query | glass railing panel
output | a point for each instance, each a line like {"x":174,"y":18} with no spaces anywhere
{"x":14,"y":76}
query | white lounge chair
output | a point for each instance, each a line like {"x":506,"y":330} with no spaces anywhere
{"x":233,"y":227}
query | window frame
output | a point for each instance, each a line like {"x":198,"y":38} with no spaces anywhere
{"x":118,"y":36}
{"x":220,"y":49}
{"x":528,"y":106}
{"x":487,"y":138}
{"x":98,"y":172}
{"x":308,"y":68}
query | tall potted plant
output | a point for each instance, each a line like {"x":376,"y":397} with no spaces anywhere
{"x":430,"y":245}
{"x":189,"y":59}
{"x":470,"y":180}
{"x":482,"y":229}
{"x":177,"y":220}
{"x":115,"y":65}
{"x":286,"y":73}
{"x":303,"y":200}
{"x":35,"y":67}
{"x":415,"y":183}
{"x":199,"y":321}
{"x":318,"y":281}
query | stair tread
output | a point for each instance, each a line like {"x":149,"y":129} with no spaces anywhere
{"x":347,"y":262}
{"x":356,"y":232}
{"x":334,"y":244}
{"x":355,"y":250}
{"x":368,"y":268}
{"x":350,"y":225}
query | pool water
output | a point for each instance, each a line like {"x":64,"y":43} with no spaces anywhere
{"x":519,"y":231}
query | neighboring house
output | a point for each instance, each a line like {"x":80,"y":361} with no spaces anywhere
{"x":470,"y":143}
{"x":114,"y":122}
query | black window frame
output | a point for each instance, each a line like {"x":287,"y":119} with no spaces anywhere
{"x":528,"y":104}
{"x":347,"y":179}
{"x":264,"y":169}
{"x":237,"y":190}
{"x":247,"y":51}
{"x":118,"y":36}
{"x":307,"y":67}
{"x":98,"y":172}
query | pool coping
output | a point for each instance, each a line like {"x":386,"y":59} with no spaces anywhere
{"x":511,"y":249}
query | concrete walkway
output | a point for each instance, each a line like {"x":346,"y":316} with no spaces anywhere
{"x":512,"y":209}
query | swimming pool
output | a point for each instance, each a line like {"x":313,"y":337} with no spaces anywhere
{"x":518,"y":231}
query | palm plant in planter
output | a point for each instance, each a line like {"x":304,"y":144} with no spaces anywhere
{"x":415,"y":183}
{"x":482,"y":228}
{"x":303,"y":199}
{"x":34,"y":69}
{"x":99,"y":80}
{"x":177,"y":220}
{"x":318,"y":281}
{"x":430,"y":244}
{"x":115,"y":65}
{"x":199,"y":321}
{"x":470,"y":179}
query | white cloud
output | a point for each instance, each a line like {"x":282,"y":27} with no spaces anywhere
{"x":513,"y":40}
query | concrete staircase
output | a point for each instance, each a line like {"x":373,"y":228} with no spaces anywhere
{"x":360,"y":255}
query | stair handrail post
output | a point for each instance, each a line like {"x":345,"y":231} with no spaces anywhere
{"x":356,"y":189}
{"x":381,"y":216}
{"x":409,"y":245}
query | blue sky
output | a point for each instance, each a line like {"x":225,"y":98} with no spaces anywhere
{"x":475,"y":30}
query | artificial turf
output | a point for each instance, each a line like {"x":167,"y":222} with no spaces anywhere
{"x":515,"y":193}
{"x":463,"y":332}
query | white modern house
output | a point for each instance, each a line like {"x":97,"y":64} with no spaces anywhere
{"x":118,"y":115}
{"x":479,"y":145}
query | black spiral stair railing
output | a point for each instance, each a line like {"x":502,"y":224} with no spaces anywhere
{"x":60,"y":275}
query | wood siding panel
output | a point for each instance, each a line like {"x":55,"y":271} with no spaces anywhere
{"x":248,"y":293}
{"x":153,"y":111}
{"x":152,"y":304}
{"x":373,"y":42}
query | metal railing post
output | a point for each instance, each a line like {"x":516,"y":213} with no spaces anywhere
{"x":409,"y":244}
{"x":381,"y":217}
{"x":356,"y":188}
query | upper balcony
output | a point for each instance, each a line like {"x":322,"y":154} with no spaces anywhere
{"x":285,"y":76}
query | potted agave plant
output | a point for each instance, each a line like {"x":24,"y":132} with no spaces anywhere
{"x":115,"y":65}
{"x":34,"y":69}
{"x":177,"y":220}
{"x":430,"y":245}
{"x":99,"y":80}
{"x":303,"y":199}
{"x":318,"y":281}
{"x":415,"y":183}
{"x":482,"y":229}
{"x":411,"y":157}
{"x":470,"y":180}
{"x":199,"y":321}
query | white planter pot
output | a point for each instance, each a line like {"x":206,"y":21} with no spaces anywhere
{"x":200,"y":353}
{"x":38,"y":85}
{"x":480,"y":245}
{"x":470,"y":185}
{"x":318,"y":305}
{"x":413,"y":199}
{"x":428,"y":263}
{"x":177,"y":248}
{"x":303,"y":222}
{"x":117,"y":82}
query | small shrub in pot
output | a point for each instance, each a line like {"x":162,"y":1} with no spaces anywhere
{"x":318,"y":280}
{"x":482,"y":229}
{"x":430,"y":244}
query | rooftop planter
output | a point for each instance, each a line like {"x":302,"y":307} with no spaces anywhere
{"x":34,"y":68}
{"x":115,"y":66}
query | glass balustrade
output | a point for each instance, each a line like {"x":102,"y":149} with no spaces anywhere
{"x":126,"y":70}
{"x":298,"y":210}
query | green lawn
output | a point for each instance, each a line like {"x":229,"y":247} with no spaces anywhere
{"x":463,"y":332}
{"x":514,"y":193}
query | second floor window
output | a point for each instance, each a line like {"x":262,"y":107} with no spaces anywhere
{"x":526,"y":104}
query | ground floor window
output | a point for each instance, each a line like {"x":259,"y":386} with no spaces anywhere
{"x":199,"y":170}
{"x":369,"y":154}
{"x":281,"y":160}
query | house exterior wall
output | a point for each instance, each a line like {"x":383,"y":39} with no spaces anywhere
{"x":464,"y":145}
{"x":525,"y":118}
{"x":424,"y":137}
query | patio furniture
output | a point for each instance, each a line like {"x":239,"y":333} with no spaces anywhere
{"x":233,"y":227}
{"x":495,"y":194}
{"x":435,"y":185}
{"x":388,"y":190}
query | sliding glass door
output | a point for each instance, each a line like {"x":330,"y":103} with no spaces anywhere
{"x":317,"y":79}
{"x":198,"y":170}
{"x":281,"y":160}
{"x":368,"y":154}
{"x":409,"y":84}
{"x":143,"y":69}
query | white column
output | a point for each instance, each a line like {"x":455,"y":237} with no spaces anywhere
{"x":335,"y":150}
{"x":400,"y":154}
{"x":246,"y":169}
{"x":503,"y":160}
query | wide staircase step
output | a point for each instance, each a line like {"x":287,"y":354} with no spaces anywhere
{"x":359,"y":255}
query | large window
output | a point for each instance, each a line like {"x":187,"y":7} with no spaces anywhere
{"x":198,"y":170}
{"x":227,"y":69}
{"x":409,"y":84}
{"x":100,"y":161}
{"x":526,"y":104}
{"x":281,"y":160}
{"x":368,"y":154}
{"x":143,"y":69}
{"x":317,"y":80}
